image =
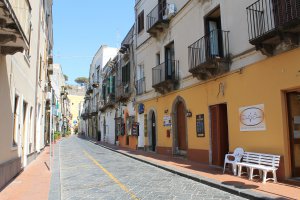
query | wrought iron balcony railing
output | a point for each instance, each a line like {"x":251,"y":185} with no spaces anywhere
{"x":159,"y":17}
{"x":165,"y":75}
{"x":266,"y":16}
{"x":123,"y":92}
{"x":210,"y":54}
{"x":140,"y":86}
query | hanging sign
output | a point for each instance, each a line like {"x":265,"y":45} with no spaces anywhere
{"x":252,"y":118}
{"x":135,"y":129}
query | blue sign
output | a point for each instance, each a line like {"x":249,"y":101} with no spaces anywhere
{"x":141,"y":108}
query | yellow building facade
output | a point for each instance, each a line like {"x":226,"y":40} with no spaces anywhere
{"x":267,"y":83}
{"x":75,"y":101}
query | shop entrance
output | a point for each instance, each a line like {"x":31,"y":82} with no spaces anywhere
{"x":219,"y":133}
{"x":293,"y":104}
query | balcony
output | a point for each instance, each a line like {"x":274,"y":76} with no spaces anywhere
{"x":158,"y":19}
{"x":140,"y":86}
{"x":15,"y":26}
{"x":274,"y":25}
{"x":209,"y":56}
{"x":107,"y":102}
{"x":165,"y":76}
{"x":110,"y":100}
{"x":123,"y":92}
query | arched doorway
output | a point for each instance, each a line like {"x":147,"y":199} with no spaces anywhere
{"x":153,"y":132}
{"x":180,"y":144}
{"x":181,"y":127}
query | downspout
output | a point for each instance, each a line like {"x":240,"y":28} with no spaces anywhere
{"x":37,"y":76}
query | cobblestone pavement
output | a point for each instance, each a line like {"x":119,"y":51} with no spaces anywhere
{"x":88,"y":171}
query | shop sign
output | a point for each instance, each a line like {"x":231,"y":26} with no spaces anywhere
{"x":135,"y":129}
{"x":200,"y":125}
{"x":252,"y":118}
{"x":167,"y":120}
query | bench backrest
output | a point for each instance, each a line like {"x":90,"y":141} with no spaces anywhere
{"x":261,"y":159}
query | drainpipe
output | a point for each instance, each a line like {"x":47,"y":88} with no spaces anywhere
{"x":37,"y":76}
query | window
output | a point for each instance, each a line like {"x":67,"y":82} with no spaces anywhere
{"x":141,"y":22}
{"x":16,"y":112}
{"x":126,"y":73}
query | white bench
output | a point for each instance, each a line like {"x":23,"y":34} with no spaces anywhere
{"x":263,"y":162}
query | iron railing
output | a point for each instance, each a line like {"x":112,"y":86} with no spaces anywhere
{"x":156,"y":15}
{"x":140,"y":86}
{"x":128,"y":38}
{"x":123,"y":91}
{"x":165,"y":71}
{"x":214,"y":45}
{"x":110,"y":99}
{"x":267,"y":16}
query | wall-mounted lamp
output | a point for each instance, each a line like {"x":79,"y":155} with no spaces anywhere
{"x":166,"y":111}
{"x":189,"y":113}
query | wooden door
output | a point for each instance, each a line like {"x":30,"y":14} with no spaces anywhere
{"x":219,"y":133}
{"x":181,"y":127}
{"x":293,"y":101}
{"x":153,"y":128}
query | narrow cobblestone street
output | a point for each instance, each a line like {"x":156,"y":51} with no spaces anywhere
{"x":88,"y":171}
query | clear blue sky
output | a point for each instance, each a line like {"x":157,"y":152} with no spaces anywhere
{"x":81,"y":27}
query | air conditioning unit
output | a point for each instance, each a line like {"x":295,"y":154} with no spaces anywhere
{"x":170,"y":11}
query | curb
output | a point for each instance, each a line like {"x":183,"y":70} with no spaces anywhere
{"x":197,"y":178}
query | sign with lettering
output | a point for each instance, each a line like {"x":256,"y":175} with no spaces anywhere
{"x":252,"y":118}
{"x":200,"y":125}
{"x":135,"y":129}
{"x":167,"y":120}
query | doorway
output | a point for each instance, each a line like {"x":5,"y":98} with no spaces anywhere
{"x":169,"y":61}
{"x":162,"y":5}
{"x":24,"y":132}
{"x":293,"y":104}
{"x":181,"y":128}
{"x":153,"y":132}
{"x":219,"y":133}
{"x":213,"y":31}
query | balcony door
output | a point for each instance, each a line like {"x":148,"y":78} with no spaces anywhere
{"x":162,"y":5}
{"x":214,"y":36}
{"x":169,"y":60}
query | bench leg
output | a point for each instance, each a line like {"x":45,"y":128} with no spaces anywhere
{"x":251,"y":173}
{"x":234,"y":168}
{"x":264,"y":176}
{"x":239,"y":170}
{"x":224,"y":167}
{"x":274,"y":176}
